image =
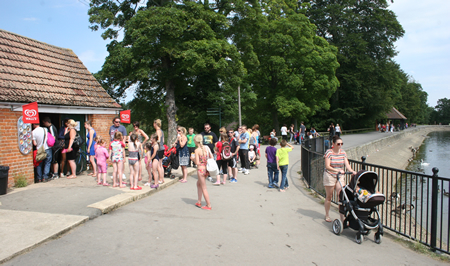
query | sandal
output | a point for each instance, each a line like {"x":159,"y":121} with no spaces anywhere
{"x":100,"y":183}
{"x":198,"y":204}
{"x":328,"y":219}
{"x":122,"y":186}
{"x":206,"y":208}
{"x":138,"y":188}
{"x":106,"y":184}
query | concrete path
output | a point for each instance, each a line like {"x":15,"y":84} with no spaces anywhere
{"x":29,"y":216}
{"x":249,"y":225}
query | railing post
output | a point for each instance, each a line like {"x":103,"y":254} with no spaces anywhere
{"x":309,"y":163}
{"x":434,"y":207}
{"x":363,"y":159}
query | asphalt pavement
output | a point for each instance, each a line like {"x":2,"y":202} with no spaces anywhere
{"x":249,"y":224}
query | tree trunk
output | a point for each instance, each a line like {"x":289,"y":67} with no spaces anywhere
{"x":171,"y":112}
{"x":276,"y":124}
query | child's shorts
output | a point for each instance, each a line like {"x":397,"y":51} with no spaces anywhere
{"x":102,"y":168}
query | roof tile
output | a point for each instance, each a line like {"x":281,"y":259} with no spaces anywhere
{"x":34,"y":71}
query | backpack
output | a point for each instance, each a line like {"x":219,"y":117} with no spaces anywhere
{"x":226,"y":151}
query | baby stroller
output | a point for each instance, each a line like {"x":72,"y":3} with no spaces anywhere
{"x":170,"y":161}
{"x":357,"y":202}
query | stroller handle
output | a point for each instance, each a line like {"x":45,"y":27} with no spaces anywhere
{"x":345,"y":173}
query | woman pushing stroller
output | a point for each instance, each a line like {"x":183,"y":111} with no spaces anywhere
{"x":335,"y":160}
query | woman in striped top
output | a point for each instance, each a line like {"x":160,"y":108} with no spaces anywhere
{"x":335,"y":160}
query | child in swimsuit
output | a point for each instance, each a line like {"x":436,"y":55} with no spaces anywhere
{"x":153,"y":159}
{"x":117,"y":155}
{"x":101,"y":154}
{"x":202,"y":153}
{"x":133,"y":159}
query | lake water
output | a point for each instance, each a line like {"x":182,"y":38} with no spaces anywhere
{"x":434,"y":152}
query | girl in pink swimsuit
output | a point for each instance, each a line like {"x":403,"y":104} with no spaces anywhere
{"x":202,"y":153}
{"x":101,"y":154}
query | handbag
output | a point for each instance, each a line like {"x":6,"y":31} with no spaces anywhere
{"x":78,"y":141}
{"x":41,"y":154}
{"x":50,"y":140}
{"x":211,"y":166}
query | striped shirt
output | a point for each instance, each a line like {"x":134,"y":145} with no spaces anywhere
{"x":337,"y":160}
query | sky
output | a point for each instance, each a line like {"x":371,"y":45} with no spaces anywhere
{"x":423,"y":52}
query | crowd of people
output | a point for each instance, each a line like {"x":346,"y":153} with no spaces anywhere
{"x":193,"y":150}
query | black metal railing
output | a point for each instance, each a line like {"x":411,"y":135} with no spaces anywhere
{"x":417,"y":205}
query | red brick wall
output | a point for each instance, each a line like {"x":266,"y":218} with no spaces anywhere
{"x":101,"y":124}
{"x":9,"y":148}
{"x":23,"y":164}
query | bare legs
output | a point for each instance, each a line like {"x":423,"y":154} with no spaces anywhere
{"x":327,"y":204}
{"x":73,"y":169}
{"x":93,"y":164}
{"x":184,"y":171}
{"x":117,"y":174}
{"x":161,"y":171}
{"x":155,"y":168}
{"x":201,"y":190}
{"x":134,"y":174}
{"x":63,"y":164}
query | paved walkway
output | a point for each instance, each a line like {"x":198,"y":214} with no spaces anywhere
{"x":249,"y":224}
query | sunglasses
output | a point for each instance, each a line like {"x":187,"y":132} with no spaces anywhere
{"x":340,"y":144}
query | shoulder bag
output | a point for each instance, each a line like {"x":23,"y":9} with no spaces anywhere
{"x":41,"y":154}
{"x":211,"y":165}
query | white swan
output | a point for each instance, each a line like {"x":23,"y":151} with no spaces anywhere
{"x":423,"y":164}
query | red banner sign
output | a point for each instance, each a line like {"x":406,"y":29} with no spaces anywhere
{"x":125,"y":117}
{"x":30,"y":113}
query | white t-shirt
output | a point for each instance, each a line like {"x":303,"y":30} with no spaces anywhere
{"x":38,"y":136}
{"x":251,"y":154}
{"x":284,"y":131}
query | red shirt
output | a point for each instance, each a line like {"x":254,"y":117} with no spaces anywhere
{"x":219,"y":148}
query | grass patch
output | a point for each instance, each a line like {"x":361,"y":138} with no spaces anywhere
{"x":20,"y":181}
{"x":421,"y":248}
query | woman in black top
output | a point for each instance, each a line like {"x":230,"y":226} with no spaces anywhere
{"x":71,"y":152}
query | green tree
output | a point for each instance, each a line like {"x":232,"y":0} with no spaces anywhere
{"x":165,"y":48}
{"x":364,"y":32}
{"x":291,"y":69}
{"x":443,"y":111}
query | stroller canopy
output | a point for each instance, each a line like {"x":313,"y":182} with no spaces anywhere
{"x":366,"y":179}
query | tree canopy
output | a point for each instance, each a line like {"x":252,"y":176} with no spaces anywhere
{"x":319,"y":61}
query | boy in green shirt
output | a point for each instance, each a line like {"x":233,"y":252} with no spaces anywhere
{"x":191,"y":145}
{"x":283,"y":163}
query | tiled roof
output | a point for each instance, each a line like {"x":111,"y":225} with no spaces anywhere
{"x":34,"y":71}
{"x":395,"y":114}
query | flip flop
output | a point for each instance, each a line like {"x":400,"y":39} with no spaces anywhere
{"x":328,"y":219}
{"x":106,"y":184}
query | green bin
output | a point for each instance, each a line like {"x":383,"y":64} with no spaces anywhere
{"x":3,"y":179}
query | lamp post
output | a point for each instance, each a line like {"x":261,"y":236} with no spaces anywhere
{"x":239,"y":104}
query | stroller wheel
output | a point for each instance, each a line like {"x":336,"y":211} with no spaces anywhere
{"x":338,"y":227}
{"x":359,"y":238}
{"x":378,"y":238}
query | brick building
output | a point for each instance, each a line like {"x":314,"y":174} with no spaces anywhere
{"x":33,"y":71}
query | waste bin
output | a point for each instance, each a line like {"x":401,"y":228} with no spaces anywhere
{"x":3,"y":179}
